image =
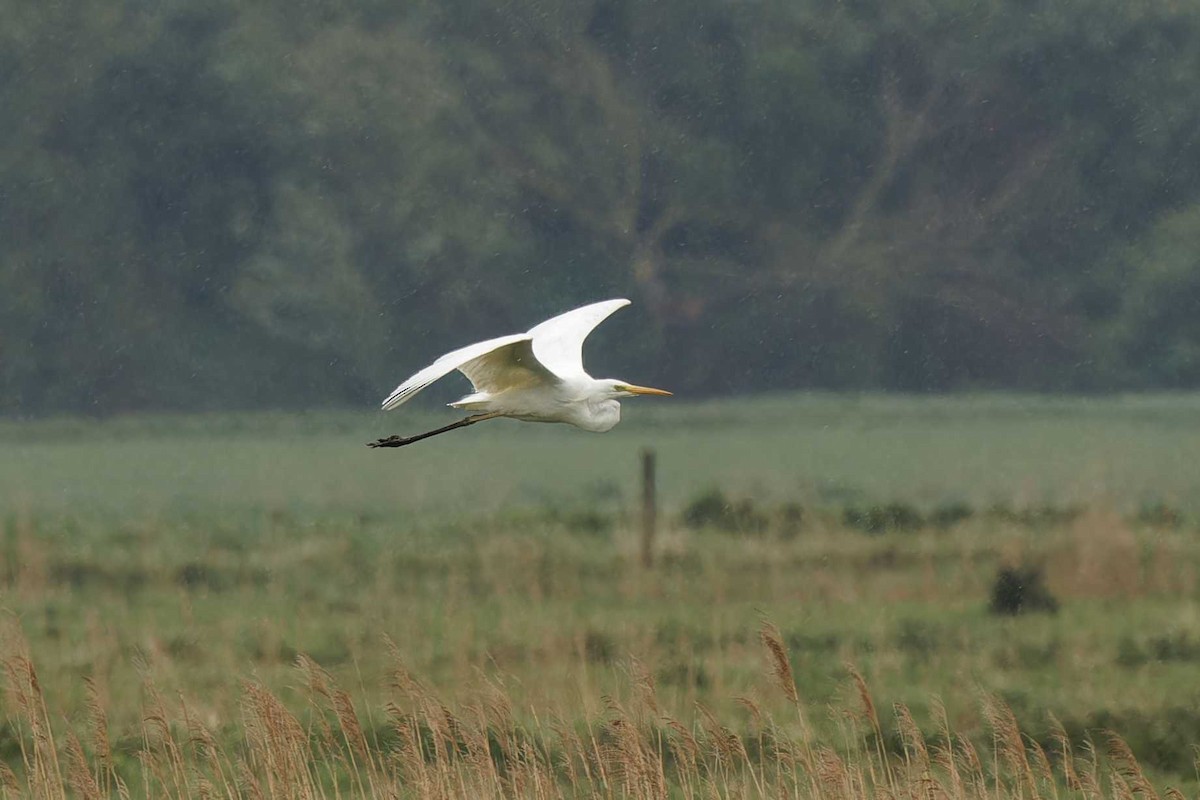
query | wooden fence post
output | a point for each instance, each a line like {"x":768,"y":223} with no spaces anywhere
{"x":649,"y":507}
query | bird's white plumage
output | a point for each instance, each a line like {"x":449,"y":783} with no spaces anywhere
{"x":508,"y":367}
{"x":536,"y":376}
{"x":445,"y":365}
{"x":558,"y":342}
{"x":551,"y":349}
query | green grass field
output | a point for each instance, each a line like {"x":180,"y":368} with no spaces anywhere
{"x":193,"y":558}
{"x":817,"y":449}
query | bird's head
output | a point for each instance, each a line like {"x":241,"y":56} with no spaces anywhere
{"x":617,"y":389}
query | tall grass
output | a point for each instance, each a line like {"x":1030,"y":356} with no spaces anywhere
{"x":319,"y":743}
{"x":205,"y":607}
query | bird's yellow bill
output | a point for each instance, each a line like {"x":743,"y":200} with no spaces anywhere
{"x":646,"y":390}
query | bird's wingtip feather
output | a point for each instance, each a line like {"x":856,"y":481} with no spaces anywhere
{"x":394,"y":399}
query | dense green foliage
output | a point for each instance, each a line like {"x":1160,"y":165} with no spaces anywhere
{"x":217,"y":204}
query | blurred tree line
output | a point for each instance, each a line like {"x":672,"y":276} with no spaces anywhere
{"x":212,"y":204}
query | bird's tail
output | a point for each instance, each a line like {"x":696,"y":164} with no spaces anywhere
{"x":479,"y":401}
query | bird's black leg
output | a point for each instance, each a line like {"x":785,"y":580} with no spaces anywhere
{"x":400,"y":441}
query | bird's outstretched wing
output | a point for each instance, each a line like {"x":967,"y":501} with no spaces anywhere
{"x":558,"y":342}
{"x":510,"y":366}
{"x":448,"y":363}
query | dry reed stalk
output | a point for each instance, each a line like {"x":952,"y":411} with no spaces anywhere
{"x":832,"y":773}
{"x":1042,"y":765}
{"x":279,"y":744}
{"x":781,"y":668}
{"x":478,"y":752}
{"x":162,"y":752}
{"x":739,"y":748}
{"x":207,"y":752}
{"x":637,"y":766}
{"x":623,"y":755}
{"x":915,"y":744}
{"x":759,"y":731}
{"x":453,"y":731}
{"x":943,"y":752}
{"x":153,"y":774}
{"x":1121,"y":789}
{"x":1089,"y":780}
{"x":408,"y":753}
{"x":249,"y":783}
{"x":316,"y":678}
{"x":10,"y":786}
{"x":79,"y":774}
{"x":597,"y":757}
{"x":912,"y":738}
{"x":781,"y":664}
{"x":426,"y":710}
{"x":101,"y":745}
{"x":574,"y":752}
{"x":686,"y":752}
{"x":537,"y":780}
{"x":352,"y":732}
{"x":402,"y":679}
{"x":43,"y":772}
{"x":496,"y":716}
{"x":1009,"y":742}
{"x":756,"y":714}
{"x":497,"y":704}
{"x":724,"y":742}
{"x":520,"y":778}
{"x":972,"y":766}
{"x":864,"y":697}
{"x":1126,"y":764}
{"x":787,"y":758}
{"x":545,"y":755}
{"x":730,"y":749}
{"x":1066,"y":754}
{"x":440,"y":735}
{"x":203,"y":788}
{"x":8,"y":780}
{"x":316,"y":681}
{"x":643,"y":682}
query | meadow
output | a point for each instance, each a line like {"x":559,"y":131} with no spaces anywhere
{"x":258,"y":605}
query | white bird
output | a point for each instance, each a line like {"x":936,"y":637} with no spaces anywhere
{"x":536,"y":376}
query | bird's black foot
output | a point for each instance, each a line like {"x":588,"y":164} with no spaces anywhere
{"x":390,"y":441}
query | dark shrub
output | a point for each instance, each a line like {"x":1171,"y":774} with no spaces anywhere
{"x":1021,"y":589}
{"x":1159,"y":515}
{"x":884,"y":518}
{"x":707,"y":509}
{"x":948,"y":515}
{"x":791,"y":519}
{"x":587,"y":521}
{"x":713,"y":509}
{"x":1046,"y":516}
{"x":599,"y":647}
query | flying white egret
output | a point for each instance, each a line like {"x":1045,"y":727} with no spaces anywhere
{"x":536,"y":377}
